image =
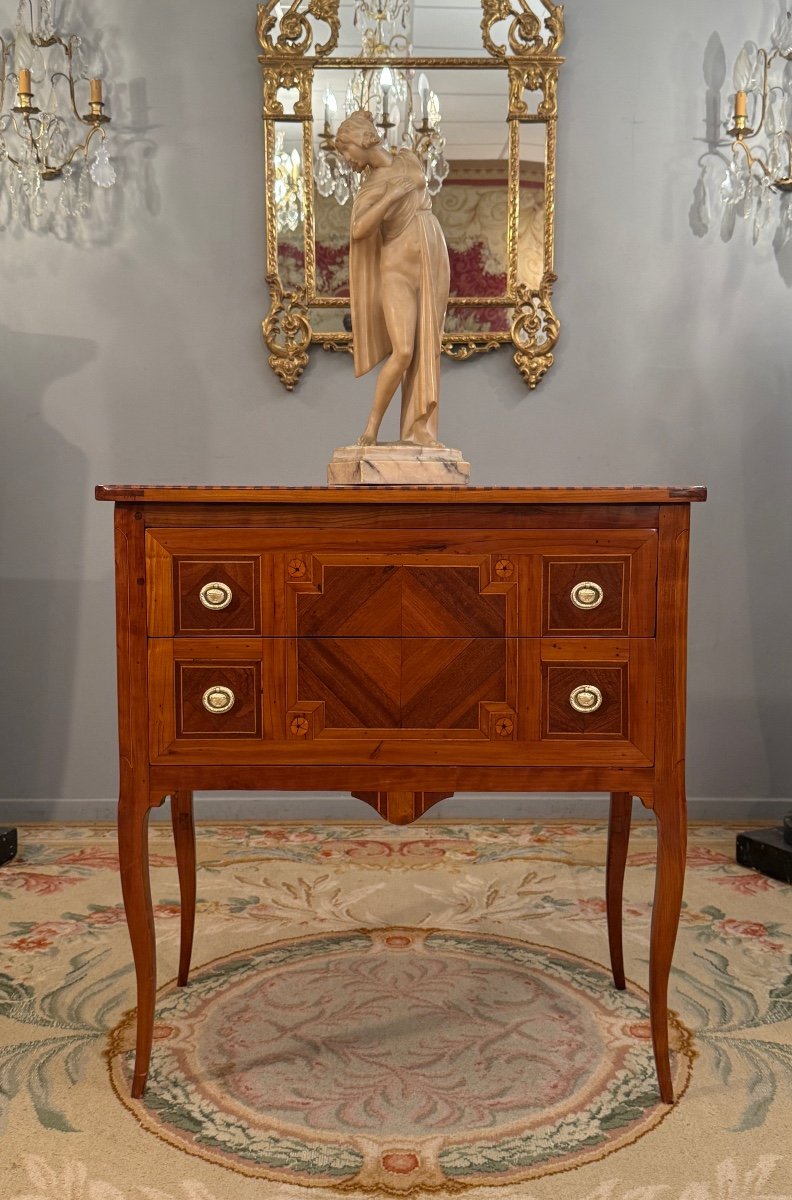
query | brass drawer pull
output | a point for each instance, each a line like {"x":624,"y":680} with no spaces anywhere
{"x":216,"y":595}
{"x":585,"y":699}
{"x":587,"y":594}
{"x":218,"y":699}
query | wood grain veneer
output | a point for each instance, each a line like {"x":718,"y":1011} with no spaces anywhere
{"x":401,"y":643}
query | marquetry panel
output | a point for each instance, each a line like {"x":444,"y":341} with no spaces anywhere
{"x":367,"y":599}
{"x":240,"y":682}
{"x":241,"y":614}
{"x":401,"y":683}
{"x":361,"y":601}
{"x":357,"y":680}
{"x":445,"y":681}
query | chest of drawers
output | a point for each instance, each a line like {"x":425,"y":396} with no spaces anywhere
{"x":401,"y":643}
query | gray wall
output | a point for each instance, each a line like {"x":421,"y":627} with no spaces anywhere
{"x":138,"y":358}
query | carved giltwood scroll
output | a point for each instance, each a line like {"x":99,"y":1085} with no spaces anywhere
{"x":521,"y":38}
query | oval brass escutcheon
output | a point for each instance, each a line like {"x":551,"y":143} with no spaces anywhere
{"x":587,"y":594}
{"x":218,"y":699}
{"x":216,"y":595}
{"x":585,"y":699}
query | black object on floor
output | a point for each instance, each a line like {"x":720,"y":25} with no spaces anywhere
{"x":8,"y":845}
{"x":768,"y":850}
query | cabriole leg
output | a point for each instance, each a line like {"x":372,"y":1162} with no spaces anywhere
{"x":184,"y":838}
{"x":134,"y":807}
{"x":671,"y":817}
{"x":618,"y":842}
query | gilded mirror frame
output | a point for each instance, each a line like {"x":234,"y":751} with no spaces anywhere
{"x":526,"y":51}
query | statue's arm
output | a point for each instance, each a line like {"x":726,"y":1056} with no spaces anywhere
{"x":370,"y":212}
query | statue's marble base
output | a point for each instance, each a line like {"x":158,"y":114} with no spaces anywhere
{"x":398,"y":463}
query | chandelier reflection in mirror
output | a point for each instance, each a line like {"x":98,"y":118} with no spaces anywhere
{"x":757,"y":183}
{"x":401,"y":100}
{"x":53,"y":141}
{"x":404,"y":107}
{"x":288,"y":186}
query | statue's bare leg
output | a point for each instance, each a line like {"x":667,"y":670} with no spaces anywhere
{"x":400,"y":308}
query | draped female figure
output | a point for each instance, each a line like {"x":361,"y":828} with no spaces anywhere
{"x":398,"y":281}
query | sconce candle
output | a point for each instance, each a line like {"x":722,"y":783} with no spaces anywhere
{"x":96,"y":91}
{"x":386,"y":83}
{"x":423,"y":92}
{"x":741,"y":104}
{"x":330,"y":109}
{"x":24,"y":81}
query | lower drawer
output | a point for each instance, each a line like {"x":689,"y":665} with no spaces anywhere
{"x":446,"y":701}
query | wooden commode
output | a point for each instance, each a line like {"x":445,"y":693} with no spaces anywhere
{"x":402,"y":643}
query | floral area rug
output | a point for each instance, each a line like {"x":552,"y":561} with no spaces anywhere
{"x":392,"y":1012}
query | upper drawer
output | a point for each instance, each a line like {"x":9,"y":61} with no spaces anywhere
{"x":611,"y":594}
{"x":401,"y":583}
{"x":217,"y":594}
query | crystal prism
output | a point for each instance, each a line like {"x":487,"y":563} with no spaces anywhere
{"x":764,"y":206}
{"x":84,"y":191}
{"x":6,"y":207}
{"x":746,"y":202}
{"x":786,"y":220}
{"x":323,"y":177}
{"x":38,"y":68}
{"x":777,"y":113}
{"x":46,"y":25}
{"x":56,"y":135}
{"x":103,"y":172}
{"x":782,"y":33}
{"x":67,"y":200}
{"x":701,"y":205}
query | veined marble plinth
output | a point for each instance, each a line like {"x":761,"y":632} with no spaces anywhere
{"x":398,"y":463}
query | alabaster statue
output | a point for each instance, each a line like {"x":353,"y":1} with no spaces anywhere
{"x":398,"y":281}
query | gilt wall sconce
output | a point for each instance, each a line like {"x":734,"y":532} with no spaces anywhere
{"x":53,"y":136}
{"x":757,"y":182}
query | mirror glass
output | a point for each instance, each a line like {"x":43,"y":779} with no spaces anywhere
{"x":474,"y":99}
{"x":288,"y":189}
{"x":532,"y":210}
{"x":469,"y":110}
{"x":452,"y":28}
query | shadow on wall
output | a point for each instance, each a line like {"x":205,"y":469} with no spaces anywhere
{"x":768,"y":481}
{"x":44,"y":480}
{"x":767,"y":218}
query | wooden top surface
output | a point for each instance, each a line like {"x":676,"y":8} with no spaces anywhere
{"x":383,"y":494}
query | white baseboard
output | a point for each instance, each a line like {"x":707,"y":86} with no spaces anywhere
{"x":335,"y":806}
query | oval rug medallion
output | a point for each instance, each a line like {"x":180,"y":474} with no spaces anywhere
{"x":400,"y":1059}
